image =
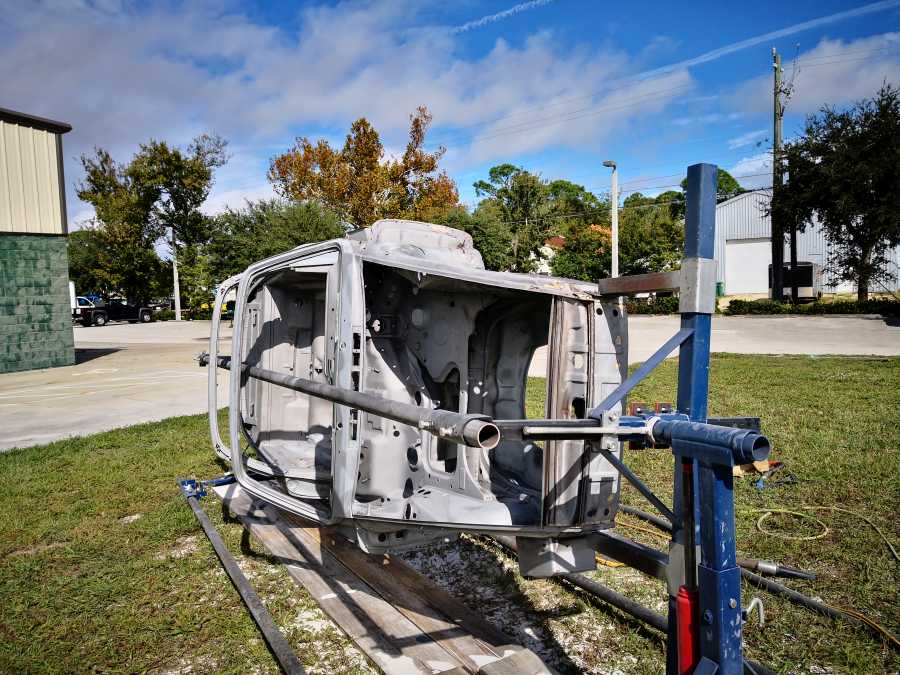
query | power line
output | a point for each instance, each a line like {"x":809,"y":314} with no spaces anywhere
{"x":573,"y":115}
{"x":454,"y":138}
{"x":528,"y":111}
{"x":605,"y":210}
{"x":801,"y":66}
{"x":841,"y":55}
{"x":631,"y":81}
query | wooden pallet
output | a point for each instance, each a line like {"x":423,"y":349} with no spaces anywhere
{"x":400,"y":619}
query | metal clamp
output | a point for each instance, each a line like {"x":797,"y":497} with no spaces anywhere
{"x":697,"y":288}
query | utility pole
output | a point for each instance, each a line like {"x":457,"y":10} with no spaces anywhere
{"x":777,"y":225}
{"x":175,"y":278}
{"x":614,"y":215}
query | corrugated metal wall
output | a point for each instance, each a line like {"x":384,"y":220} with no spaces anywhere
{"x":744,"y":217}
{"x":30,"y":200}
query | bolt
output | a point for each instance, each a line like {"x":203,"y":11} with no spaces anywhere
{"x":613,"y":416}
{"x":707,"y":617}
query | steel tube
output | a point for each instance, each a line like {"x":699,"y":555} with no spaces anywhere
{"x":477,"y":431}
{"x":280,"y":647}
{"x":638,"y":483}
{"x":711,"y":443}
{"x":627,"y":605}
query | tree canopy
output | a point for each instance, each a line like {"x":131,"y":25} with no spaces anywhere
{"x":844,"y":169}
{"x":726,"y":186}
{"x":162,"y":187}
{"x":265,"y":228}
{"x":651,"y":234}
{"x":358,"y":184}
{"x":517,"y":203}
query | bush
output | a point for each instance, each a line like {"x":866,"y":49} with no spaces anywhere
{"x":763,"y":306}
{"x":667,"y":304}
{"x":199,"y":314}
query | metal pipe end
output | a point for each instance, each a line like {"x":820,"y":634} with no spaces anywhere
{"x":755,"y":447}
{"x":481,"y":434}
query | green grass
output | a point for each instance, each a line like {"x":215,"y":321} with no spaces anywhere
{"x":83,"y":590}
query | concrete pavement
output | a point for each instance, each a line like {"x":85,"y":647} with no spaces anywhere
{"x":124,"y":374}
{"x":130,"y":373}
{"x":845,"y":335}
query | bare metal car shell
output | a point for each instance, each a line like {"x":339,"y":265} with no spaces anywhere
{"x":405,"y":311}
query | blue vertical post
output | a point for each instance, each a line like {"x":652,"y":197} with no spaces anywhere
{"x":693,"y":386}
{"x":699,"y":242}
{"x":718,"y":578}
{"x":718,"y":575}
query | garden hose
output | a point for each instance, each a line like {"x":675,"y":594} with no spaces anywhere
{"x":784,"y":591}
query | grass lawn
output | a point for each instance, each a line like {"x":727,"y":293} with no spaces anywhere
{"x":87,"y":585}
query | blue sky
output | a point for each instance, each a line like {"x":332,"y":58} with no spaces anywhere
{"x":555,"y":86}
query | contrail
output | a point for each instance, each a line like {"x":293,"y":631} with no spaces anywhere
{"x":499,"y":16}
{"x":767,"y":37}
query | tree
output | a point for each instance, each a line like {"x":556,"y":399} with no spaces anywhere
{"x":845,"y":170}
{"x":491,"y":236}
{"x":586,"y":254}
{"x":650,"y":238}
{"x":85,"y":250}
{"x":519,"y":198}
{"x":726,"y":186}
{"x":183,"y":181}
{"x":358,"y":184}
{"x":161,"y":189}
{"x":263,"y":229}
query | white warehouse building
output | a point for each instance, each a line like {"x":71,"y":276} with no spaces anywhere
{"x":743,"y":249}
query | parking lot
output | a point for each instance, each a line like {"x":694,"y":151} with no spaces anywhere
{"x":130,"y":373}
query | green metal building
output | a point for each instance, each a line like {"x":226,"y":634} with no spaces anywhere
{"x":35,"y":307}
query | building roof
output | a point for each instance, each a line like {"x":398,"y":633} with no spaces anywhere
{"x":34,"y":122}
{"x":766,"y":192}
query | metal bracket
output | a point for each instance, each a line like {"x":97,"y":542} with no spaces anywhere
{"x":697,"y":287}
{"x":191,"y":488}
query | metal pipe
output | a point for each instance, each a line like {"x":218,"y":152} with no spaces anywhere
{"x":649,"y":517}
{"x":718,"y":445}
{"x":622,"y":468}
{"x":280,"y":647}
{"x":477,"y":431}
{"x":627,"y":605}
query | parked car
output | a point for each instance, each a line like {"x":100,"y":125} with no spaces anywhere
{"x":114,"y":310}
{"x":81,"y":303}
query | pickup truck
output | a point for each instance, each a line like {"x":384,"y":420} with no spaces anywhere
{"x":91,"y":314}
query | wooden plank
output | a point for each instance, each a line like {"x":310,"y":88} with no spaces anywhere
{"x":466,"y":640}
{"x":389,"y":639}
{"x":404,"y":588}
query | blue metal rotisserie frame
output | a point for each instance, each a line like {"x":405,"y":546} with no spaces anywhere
{"x":704,"y":454}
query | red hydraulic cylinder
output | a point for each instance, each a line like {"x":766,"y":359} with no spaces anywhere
{"x":687,"y":612}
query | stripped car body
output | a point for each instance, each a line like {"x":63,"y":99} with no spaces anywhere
{"x":405,"y":312}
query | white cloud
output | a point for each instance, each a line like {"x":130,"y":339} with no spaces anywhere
{"x":122,"y":75}
{"x":764,"y":38}
{"x":708,"y":118}
{"x":835,"y":72}
{"x":750,"y":138}
{"x":220,"y":200}
{"x":754,"y":171}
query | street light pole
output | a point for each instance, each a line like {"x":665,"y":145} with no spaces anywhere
{"x":614,"y":215}
{"x":175,"y":278}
